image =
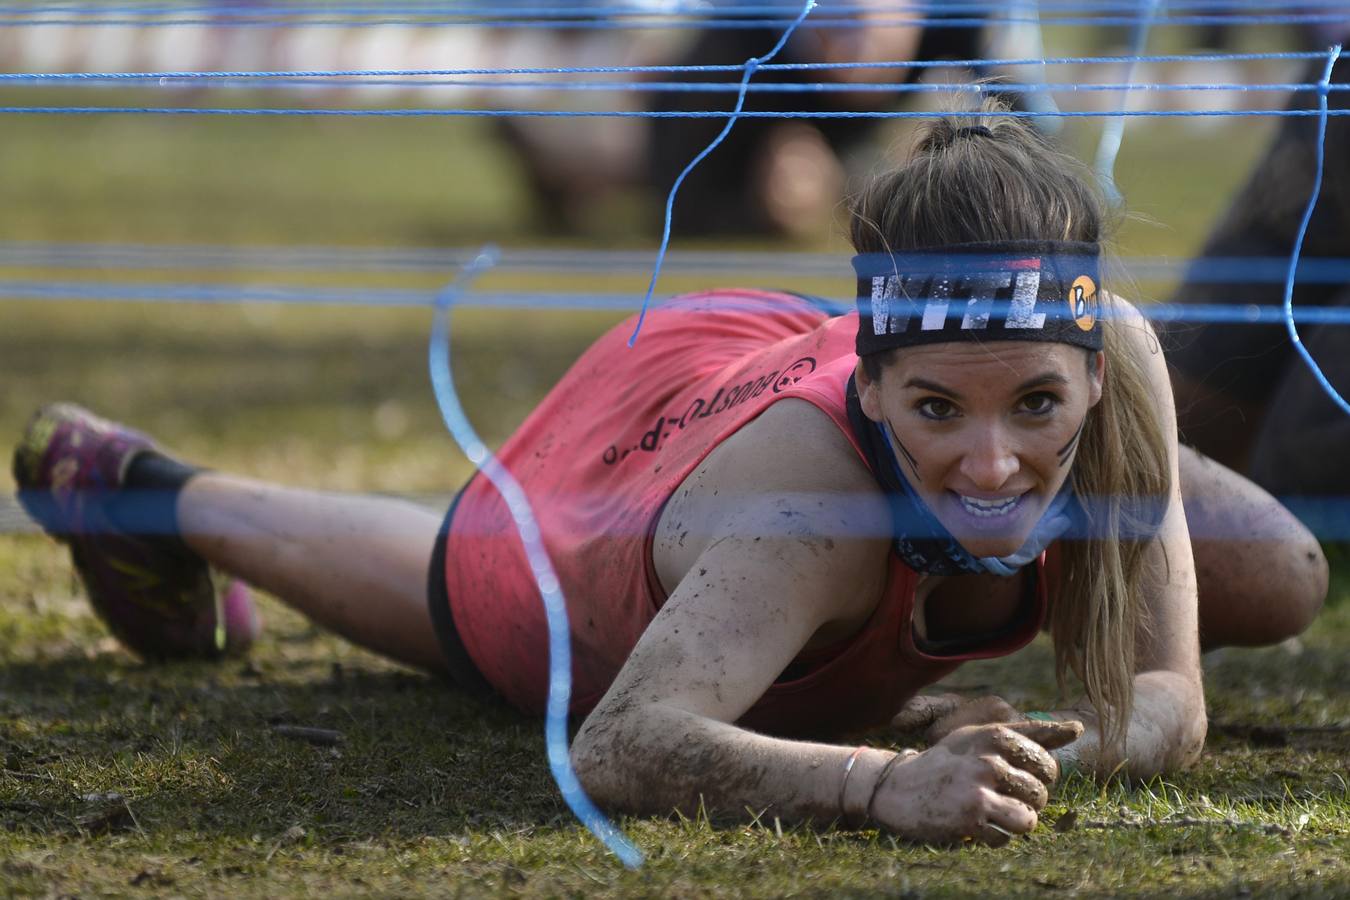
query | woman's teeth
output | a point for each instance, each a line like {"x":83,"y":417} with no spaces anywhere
{"x":988,"y":509}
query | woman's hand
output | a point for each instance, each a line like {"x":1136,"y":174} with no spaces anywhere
{"x":938,"y":715}
{"x":981,"y":782}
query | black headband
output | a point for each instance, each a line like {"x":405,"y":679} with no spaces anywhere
{"x":1006,"y":291}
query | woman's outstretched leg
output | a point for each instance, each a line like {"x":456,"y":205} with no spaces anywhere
{"x":356,"y":565}
{"x":142,"y":529}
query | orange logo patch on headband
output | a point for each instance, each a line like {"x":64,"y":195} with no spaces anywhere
{"x":1083,"y":302}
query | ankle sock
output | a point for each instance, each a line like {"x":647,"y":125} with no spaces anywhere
{"x":148,"y":503}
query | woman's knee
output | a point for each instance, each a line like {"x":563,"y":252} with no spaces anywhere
{"x":1256,"y":593}
{"x":1262,"y":574}
{"x":1306,"y":576}
{"x":1312,"y":579}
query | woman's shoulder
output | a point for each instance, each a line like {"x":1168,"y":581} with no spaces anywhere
{"x":792,"y":474}
{"x":1131,"y":323}
{"x":794,"y":444}
{"x":1138,"y":339}
{"x":787,"y":492}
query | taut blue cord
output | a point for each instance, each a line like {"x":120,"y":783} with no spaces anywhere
{"x":657,"y":21}
{"x":342,"y":259}
{"x":1332,"y":56}
{"x":722,"y":87}
{"x":42,"y":290}
{"x":603,"y":70}
{"x":218,"y":12}
{"x":654,"y":114}
{"x":550,"y":590}
{"x":950,"y":7}
{"x":751,"y":65}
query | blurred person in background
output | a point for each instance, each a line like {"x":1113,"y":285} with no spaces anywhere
{"x":769,"y":176}
{"x":1244,"y":396}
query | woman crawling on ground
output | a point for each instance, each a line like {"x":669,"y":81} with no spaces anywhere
{"x":775,"y":527}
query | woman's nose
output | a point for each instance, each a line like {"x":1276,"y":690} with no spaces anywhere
{"x":991,"y":460}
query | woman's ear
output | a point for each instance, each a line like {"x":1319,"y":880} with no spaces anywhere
{"x":869,"y":393}
{"x":1096,"y":377}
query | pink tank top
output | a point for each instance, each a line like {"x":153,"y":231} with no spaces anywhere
{"x":598,"y":460}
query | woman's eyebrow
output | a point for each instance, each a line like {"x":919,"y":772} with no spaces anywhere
{"x":1040,"y":381}
{"x":924,"y":384}
{"x":1034,"y":381}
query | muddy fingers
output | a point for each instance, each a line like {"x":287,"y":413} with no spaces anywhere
{"x":1019,"y":784}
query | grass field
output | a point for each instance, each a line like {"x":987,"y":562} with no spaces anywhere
{"x":121,"y":779}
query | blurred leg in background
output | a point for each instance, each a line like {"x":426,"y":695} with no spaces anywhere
{"x":1244,"y":397}
{"x":774,"y":176}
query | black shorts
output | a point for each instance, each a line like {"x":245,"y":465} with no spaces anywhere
{"x":461,"y":668}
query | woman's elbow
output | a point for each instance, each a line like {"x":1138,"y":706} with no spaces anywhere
{"x":612,"y":758}
{"x":1169,"y":728}
{"x":592,"y":757}
{"x":1191,"y":742}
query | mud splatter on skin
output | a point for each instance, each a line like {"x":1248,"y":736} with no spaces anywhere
{"x":1262,"y":576}
{"x":628,"y":770}
{"x":1027,"y":757}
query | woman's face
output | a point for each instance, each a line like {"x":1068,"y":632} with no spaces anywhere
{"x":985,"y":433}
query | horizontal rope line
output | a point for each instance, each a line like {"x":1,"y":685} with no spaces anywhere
{"x":14,"y":520}
{"x":28,"y":254}
{"x":747,"y":9}
{"x":430,"y":260}
{"x":555,"y":300}
{"x":663,"y":21}
{"x":1328,"y":517}
{"x":661,"y":114}
{"x":598,"y":70}
{"x":765,"y":87}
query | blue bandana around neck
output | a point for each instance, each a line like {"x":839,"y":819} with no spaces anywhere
{"x":926,"y":545}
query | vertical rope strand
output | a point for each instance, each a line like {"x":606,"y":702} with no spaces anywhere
{"x":751,"y":65}
{"x":1333,"y":55}
{"x":550,"y":590}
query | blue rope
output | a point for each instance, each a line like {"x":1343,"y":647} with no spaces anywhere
{"x":45,"y":290}
{"x":605,"y":70}
{"x":1313,"y":367}
{"x":1113,"y":132}
{"x":1000,"y":87}
{"x":223,"y":294}
{"x":561,"y":11}
{"x":661,"y":22}
{"x":211,"y":294}
{"x":218,"y":13}
{"x":550,"y":591}
{"x":751,"y":65}
{"x":654,"y":114}
{"x":342,"y":259}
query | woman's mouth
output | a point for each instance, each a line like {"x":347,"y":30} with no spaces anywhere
{"x":990,"y":516}
{"x":990,"y":509}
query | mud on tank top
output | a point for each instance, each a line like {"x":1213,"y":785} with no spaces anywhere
{"x":598,"y":460}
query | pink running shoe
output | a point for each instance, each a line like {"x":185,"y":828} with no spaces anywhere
{"x":160,"y":601}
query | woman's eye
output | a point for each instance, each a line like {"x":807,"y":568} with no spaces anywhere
{"x":1039,"y":404}
{"x":936,"y":408}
